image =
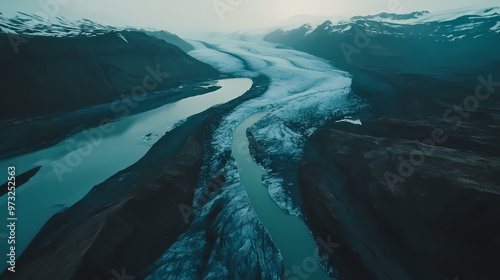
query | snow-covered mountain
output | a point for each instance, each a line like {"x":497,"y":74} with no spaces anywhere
{"x":423,"y":40}
{"x":421,"y":17}
{"x":447,"y":25}
{"x":30,"y":24}
{"x":34,"y":25}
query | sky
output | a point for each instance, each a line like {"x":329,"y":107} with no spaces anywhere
{"x":184,"y":16}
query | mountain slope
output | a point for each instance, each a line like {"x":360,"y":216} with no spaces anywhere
{"x":388,"y":41}
{"x":413,"y":188}
{"x":172,"y":39}
{"x":75,"y":70}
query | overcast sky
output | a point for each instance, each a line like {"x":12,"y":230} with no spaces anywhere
{"x":180,"y":16}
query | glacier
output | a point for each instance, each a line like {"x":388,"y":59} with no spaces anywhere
{"x":225,"y":238}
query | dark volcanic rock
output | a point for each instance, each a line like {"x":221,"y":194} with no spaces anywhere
{"x":20,"y":180}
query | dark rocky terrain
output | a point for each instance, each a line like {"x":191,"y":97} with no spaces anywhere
{"x":171,"y":38}
{"x":412,"y":193}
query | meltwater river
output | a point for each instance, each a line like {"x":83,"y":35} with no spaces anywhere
{"x":289,"y":233}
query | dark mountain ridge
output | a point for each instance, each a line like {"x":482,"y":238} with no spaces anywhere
{"x":85,"y":64}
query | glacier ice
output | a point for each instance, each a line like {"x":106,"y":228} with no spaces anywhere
{"x":225,"y":238}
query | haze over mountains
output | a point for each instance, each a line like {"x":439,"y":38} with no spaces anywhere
{"x":380,"y":133}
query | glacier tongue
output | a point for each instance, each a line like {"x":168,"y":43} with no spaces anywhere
{"x":304,"y":92}
{"x":226,"y":238}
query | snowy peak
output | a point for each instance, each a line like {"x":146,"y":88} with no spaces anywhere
{"x":25,"y":24}
{"x":442,"y":26}
{"x":392,"y":16}
{"x":33,"y":25}
{"x":29,"y":24}
{"x":428,"y":17}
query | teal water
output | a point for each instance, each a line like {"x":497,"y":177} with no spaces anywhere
{"x":289,"y":233}
{"x":73,"y":167}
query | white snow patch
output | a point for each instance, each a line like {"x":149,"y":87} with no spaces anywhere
{"x":122,"y":37}
{"x":496,"y":27}
{"x":458,"y":37}
{"x":469,"y":26}
{"x":349,"y":120}
{"x":346,"y":29}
